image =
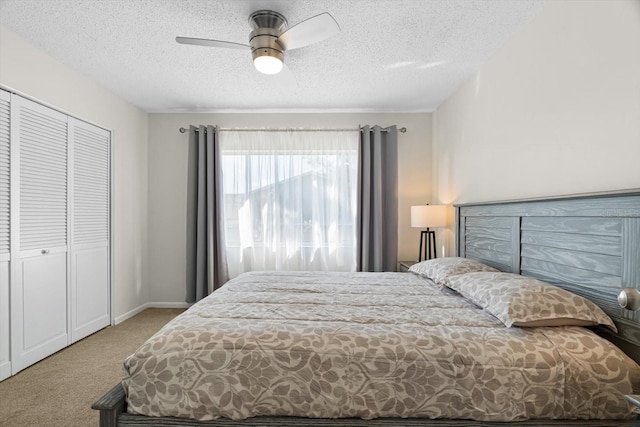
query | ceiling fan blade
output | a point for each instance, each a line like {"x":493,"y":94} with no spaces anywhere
{"x":211,"y":43}
{"x":286,"y":76}
{"x":309,"y":31}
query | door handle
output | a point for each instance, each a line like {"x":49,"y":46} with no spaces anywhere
{"x":45,"y":252}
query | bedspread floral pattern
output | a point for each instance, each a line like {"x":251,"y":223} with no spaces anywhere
{"x":368,"y":345}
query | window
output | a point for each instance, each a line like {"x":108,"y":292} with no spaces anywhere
{"x":290,"y":200}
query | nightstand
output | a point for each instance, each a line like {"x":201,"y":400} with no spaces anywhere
{"x":403,"y":266}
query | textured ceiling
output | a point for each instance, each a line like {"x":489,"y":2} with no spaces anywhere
{"x":390,"y":56}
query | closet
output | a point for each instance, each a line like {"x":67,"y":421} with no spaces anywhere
{"x":54,"y":231}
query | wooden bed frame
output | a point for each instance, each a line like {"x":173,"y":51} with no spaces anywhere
{"x":588,"y":244}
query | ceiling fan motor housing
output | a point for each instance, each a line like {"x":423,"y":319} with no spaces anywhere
{"x":263,"y":43}
{"x":267,"y":26}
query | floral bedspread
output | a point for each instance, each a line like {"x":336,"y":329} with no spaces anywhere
{"x":368,"y":345}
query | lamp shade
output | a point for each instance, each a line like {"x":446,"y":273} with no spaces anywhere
{"x":429,"y":216}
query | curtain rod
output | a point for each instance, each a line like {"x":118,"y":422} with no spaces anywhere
{"x":183,"y":130}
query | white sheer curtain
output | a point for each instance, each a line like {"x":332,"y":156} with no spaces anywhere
{"x":290,"y":200}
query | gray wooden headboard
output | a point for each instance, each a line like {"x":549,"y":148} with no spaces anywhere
{"x":589,"y":245}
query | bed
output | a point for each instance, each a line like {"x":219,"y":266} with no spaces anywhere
{"x":400,"y":348}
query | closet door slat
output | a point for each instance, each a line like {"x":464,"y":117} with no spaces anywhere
{"x":43,"y":179}
{"x":91,"y":185}
{"x":5,"y":175}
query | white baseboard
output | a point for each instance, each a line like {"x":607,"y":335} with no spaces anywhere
{"x":143,"y":307}
{"x":129,"y":314}
{"x":5,"y":370}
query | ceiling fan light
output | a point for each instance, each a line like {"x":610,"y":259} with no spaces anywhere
{"x":268,"y":64}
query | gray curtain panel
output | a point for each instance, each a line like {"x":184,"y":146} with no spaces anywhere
{"x":206,"y":259}
{"x":378,"y":199}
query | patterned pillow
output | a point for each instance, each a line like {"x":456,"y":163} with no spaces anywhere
{"x":523,"y":301}
{"x":440,"y":269}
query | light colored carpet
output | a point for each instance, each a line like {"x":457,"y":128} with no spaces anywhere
{"x":59,"y":390}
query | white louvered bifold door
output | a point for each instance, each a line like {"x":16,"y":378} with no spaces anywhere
{"x":90,"y":148}
{"x":5,"y":231}
{"x":5,"y":175}
{"x":39,"y":279}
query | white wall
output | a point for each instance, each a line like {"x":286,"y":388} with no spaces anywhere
{"x":555,"y":111}
{"x":168,"y":180}
{"x":29,"y":70}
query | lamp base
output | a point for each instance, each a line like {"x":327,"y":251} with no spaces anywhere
{"x":428,"y":240}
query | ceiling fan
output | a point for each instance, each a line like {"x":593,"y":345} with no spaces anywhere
{"x":271,"y":38}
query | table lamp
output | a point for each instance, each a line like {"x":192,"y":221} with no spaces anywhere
{"x":428,"y":216}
